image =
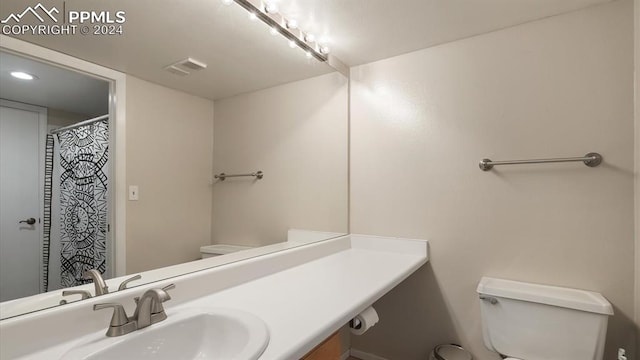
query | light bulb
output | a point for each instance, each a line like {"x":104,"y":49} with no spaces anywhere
{"x":273,"y":31}
{"x":227,"y":2}
{"x":324,"y":49}
{"x":253,"y":16}
{"x":292,"y":44}
{"x":292,"y":24}
{"x":309,"y":38}
{"x":271,"y":8}
{"x":308,"y":55}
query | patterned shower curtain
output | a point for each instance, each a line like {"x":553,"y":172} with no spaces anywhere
{"x":46,"y":220}
{"x":83,"y":201}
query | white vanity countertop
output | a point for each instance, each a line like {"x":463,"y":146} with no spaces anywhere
{"x":303,"y":305}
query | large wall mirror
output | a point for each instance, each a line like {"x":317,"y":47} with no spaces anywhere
{"x":209,"y":91}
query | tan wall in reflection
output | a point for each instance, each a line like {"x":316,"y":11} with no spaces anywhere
{"x":561,"y":86}
{"x":64,"y":118}
{"x":637,"y":142}
{"x":297,"y":135}
{"x":169,"y":156}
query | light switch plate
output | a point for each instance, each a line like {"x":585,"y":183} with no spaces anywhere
{"x":133,"y":192}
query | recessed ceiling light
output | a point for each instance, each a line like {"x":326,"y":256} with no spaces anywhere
{"x":23,"y":75}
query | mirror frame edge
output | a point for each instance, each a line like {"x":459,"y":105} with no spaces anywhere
{"x":117,"y":131}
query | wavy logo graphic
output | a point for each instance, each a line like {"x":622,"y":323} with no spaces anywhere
{"x":39,"y":11}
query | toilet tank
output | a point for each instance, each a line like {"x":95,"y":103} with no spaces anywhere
{"x":540,"y":322}
{"x":221,"y":249}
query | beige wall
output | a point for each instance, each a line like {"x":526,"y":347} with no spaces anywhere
{"x":59,"y":117}
{"x":637,"y":152}
{"x":169,"y":156}
{"x":561,"y":86}
{"x":297,"y":135}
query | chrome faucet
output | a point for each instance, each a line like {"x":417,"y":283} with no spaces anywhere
{"x":100,"y":285}
{"x":120,"y":323}
{"x":98,"y":281}
{"x":149,"y":310}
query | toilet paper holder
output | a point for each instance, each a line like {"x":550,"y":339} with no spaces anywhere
{"x":355,"y":324}
{"x":362,"y":322}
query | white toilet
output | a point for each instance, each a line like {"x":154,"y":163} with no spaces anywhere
{"x":220,"y":249}
{"x":538,"y":322}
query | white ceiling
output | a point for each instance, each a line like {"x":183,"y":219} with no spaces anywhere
{"x":243,"y":56}
{"x":55,"y":87}
{"x":362,"y":31}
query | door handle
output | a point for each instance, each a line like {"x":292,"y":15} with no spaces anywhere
{"x":29,"y":221}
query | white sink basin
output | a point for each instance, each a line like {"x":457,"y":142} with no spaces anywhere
{"x":202,"y":334}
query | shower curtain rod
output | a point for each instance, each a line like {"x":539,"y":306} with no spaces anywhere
{"x":82,"y":123}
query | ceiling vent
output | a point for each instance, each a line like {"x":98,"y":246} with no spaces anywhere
{"x":185,"y":67}
{"x":176,"y":70}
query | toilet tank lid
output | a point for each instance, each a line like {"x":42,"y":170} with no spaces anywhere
{"x":222,"y":249}
{"x":544,"y":294}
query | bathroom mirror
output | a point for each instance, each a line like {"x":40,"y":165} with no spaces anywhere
{"x":258,"y":105}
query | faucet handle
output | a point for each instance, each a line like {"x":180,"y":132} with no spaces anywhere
{"x":156,"y":306}
{"x":119,"y":317}
{"x":84,"y":293}
{"x":124,"y":284}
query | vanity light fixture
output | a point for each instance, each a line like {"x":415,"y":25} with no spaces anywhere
{"x":267,"y":11}
{"x":23,"y":75}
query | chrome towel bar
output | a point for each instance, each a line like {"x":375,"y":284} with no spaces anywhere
{"x":258,"y":175}
{"x":591,"y":160}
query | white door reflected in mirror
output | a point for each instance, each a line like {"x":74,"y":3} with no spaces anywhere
{"x":20,"y":206}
